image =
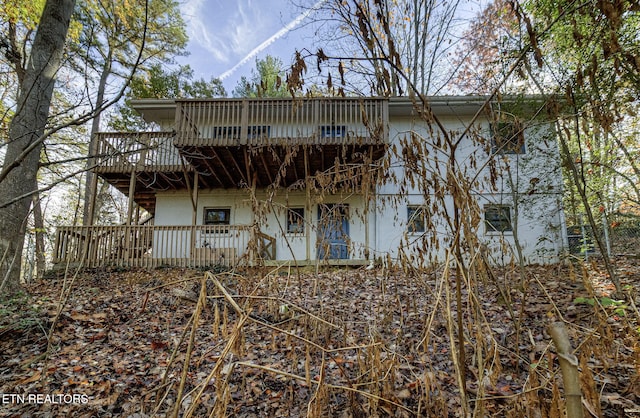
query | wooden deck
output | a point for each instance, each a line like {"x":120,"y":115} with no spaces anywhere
{"x":254,"y":123}
{"x":239,"y":143}
{"x":125,"y":152}
{"x":281,"y":122}
{"x":154,"y":246}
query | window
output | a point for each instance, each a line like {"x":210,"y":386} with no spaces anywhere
{"x":217,"y":216}
{"x":260,"y":131}
{"x":415,"y":219}
{"x":333,"y":131}
{"x":295,"y":221}
{"x":226,"y":132}
{"x":508,"y":138}
{"x":497,"y":218}
{"x":234,"y":132}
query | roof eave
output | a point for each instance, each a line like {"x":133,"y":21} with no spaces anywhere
{"x":155,"y":110}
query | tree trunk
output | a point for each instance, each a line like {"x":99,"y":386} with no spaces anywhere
{"x":38,"y":224}
{"x":91,"y":182}
{"x":25,"y":137}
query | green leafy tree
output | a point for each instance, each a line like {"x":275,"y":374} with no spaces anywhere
{"x":590,"y":53}
{"x":267,"y":80}
{"x":586,"y":53}
{"x":117,"y":39}
{"x":107,"y":42}
{"x":18,"y":24}
{"x":156,"y":82}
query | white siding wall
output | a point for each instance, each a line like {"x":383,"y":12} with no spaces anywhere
{"x":535,"y":175}
{"x":174,"y":208}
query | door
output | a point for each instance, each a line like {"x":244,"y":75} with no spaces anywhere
{"x":333,"y":231}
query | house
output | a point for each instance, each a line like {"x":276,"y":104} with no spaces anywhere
{"x":326,"y":180}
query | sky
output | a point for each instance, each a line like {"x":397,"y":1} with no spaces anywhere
{"x":226,"y":36}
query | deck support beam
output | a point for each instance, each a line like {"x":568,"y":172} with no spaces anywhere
{"x":132,"y":192}
{"x":247,"y":165}
{"x":237,"y":166}
{"x":309,"y":215}
{"x":127,"y":241}
{"x":223,"y":165}
{"x":266,"y":167}
{"x":194,"y":214}
{"x":367,"y":187}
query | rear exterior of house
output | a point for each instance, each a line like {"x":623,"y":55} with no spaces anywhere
{"x":322,"y":180}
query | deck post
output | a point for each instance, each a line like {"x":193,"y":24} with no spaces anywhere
{"x":366,"y":188}
{"x":57,"y":247}
{"x":132,"y":190}
{"x":254,"y":246}
{"x":92,"y":180}
{"x":194,"y":219}
{"x":127,"y":238}
{"x":244,"y":123}
{"x":309,"y":215}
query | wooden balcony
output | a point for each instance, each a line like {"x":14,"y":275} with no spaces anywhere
{"x":149,"y":158}
{"x":153,"y":246}
{"x":235,"y":143}
{"x":281,"y":122}
{"x":124,"y":152}
{"x":279,"y":142}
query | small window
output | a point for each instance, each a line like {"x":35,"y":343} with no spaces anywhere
{"x":497,"y":218}
{"x":295,"y":221}
{"x":508,"y":138}
{"x":226,"y":132}
{"x":415,"y":219}
{"x":333,"y":131}
{"x":260,"y":131}
{"x":217,"y":216}
{"x":234,"y":132}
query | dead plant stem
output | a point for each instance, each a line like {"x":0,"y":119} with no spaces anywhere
{"x":174,"y":354}
{"x":328,"y":385}
{"x":450,"y":329}
{"x":227,"y":348}
{"x":202,"y":300}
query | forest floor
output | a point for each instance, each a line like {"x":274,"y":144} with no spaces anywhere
{"x":338,"y":342}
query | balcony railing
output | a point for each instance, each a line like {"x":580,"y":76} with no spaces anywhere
{"x":259,"y":122}
{"x":142,"y":151}
{"x":153,"y":246}
{"x":253,"y":122}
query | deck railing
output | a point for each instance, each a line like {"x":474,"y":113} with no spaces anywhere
{"x":258,"y":122}
{"x":254,"y":122}
{"x":153,"y":246}
{"x":127,"y":152}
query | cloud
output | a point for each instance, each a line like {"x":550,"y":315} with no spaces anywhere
{"x":264,"y":45}
{"x":244,"y":28}
{"x":199,"y":21}
{"x":225,"y":29}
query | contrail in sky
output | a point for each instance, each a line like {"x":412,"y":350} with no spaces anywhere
{"x":279,"y":34}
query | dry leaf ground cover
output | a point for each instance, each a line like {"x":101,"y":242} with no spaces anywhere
{"x":337,"y":342}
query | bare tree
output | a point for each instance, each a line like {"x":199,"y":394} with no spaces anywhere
{"x":422,"y":32}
